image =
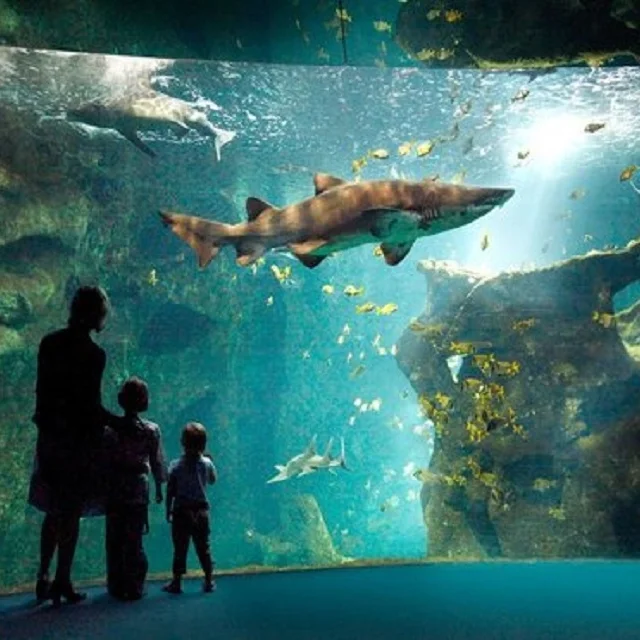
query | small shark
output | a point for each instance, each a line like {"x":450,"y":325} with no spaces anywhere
{"x":341,"y":215}
{"x":309,"y":462}
{"x":147,"y":110}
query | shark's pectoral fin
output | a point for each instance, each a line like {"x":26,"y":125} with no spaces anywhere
{"x":395,"y":253}
{"x":310,"y":261}
{"x":133,"y":137}
{"x":306,"y":471}
{"x":248,"y":253}
{"x":382,"y":223}
{"x":180,"y":129}
{"x":324,"y":181}
{"x":303,"y":251}
{"x":255,"y":207}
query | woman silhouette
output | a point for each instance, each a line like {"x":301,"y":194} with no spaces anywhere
{"x":65,"y":484}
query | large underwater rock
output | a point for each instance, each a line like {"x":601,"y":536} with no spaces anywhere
{"x":538,"y":442}
{"x":302,"y":538}
{"x":516,"y":33}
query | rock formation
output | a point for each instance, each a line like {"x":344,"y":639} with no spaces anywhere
{"x":537,"y":445}
{"x":302,"y":538}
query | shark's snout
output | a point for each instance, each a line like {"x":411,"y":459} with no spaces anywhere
{"x":499,"y":197}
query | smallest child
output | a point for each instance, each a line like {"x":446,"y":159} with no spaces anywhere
{"x":188,"y":506}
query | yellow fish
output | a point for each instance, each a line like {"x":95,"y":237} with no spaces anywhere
{"x":328,"y":289}
{"x":377,"y":252}
{"x":462,"y":348}
{"x":443,"y":400}
{"x":152,"y":278}
{"x":628,"y":172}
{"x":404,"y":149}
{"x":358,"y":163}
{"x":281,"y":275}
{"x":484,"y":243}
{"x":607,"y":320}
{"x":367,"y":307}
{"x":522,"y":325}
{"x":424,"y":149}
{"x":452,"y":15}
{"x":433,"y":14}
{"x":381,"y":26}
{"x":387,"y":309}
{"x":358,"y":371}
{"x":352,"y":291}
{"x":343,"y":15}
{"x":379,"y":154}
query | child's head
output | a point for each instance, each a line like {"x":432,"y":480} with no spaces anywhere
{"x":194,"y":438}
{"x":134,"y":395}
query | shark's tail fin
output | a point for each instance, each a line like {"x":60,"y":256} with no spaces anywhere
{"x":342,"y":459}
{"x":205,"y":237}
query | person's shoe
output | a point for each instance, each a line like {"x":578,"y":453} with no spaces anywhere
{"x":173,"y":587}
{"x":42,"y":589}
{"x":59,"y":591}
{"x":209,"y":585}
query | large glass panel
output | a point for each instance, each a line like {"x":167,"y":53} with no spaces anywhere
{"x":485,"y":387}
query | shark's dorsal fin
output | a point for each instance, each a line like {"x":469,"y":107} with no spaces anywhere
{"x":325,"y":181}
{"x":395,"y":253}
{"x":311,"y":449}
{"x":327,"y":451}
{"x":255,"y":207}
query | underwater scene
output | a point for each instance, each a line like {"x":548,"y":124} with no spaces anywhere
{"x":403,"y":302}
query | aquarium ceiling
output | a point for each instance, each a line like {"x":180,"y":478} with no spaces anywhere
{"x":434,"y":33}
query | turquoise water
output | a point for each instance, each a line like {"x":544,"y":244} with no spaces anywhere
{"x":266,"y":364}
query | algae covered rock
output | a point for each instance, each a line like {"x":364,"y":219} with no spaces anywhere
{"x":10,"y":341}
{"x":23,"y":295}
{"x":544,"y":373}
{"x":302,"y":538}
{"x":517,"y":33}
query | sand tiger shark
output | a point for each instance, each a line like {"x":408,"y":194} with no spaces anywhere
{"x":148,"y":110}
{"x":341,"y":215}
{"x":309,"y":462}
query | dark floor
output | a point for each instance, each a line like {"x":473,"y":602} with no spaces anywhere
{"x":514,"y":601}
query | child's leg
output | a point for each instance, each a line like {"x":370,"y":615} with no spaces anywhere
{"x":114,"y":542}
{"x":180,"y":534}
{"x":135,"y":559}
{"x":201,"y":532}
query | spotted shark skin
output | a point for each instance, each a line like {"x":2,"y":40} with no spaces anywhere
{"x":148,"y":110}
{"x":341,"y":215}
